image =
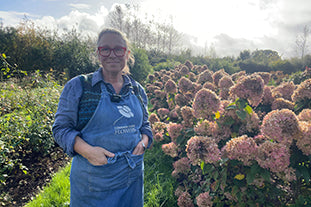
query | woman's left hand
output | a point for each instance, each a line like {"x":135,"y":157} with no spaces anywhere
{"x":139,"y":149}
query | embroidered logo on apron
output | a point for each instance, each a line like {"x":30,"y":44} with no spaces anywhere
{"x":125,"y":111}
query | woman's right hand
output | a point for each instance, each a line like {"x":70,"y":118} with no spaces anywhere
{"x":98,"y":156}
{"x":95,"y":155}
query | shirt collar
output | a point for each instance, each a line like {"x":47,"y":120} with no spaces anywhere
{"x":98,"y":77}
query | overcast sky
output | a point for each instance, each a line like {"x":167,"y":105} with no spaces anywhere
{"x":229,"y":26}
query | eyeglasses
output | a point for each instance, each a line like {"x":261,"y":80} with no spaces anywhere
{"x":106,"y":51}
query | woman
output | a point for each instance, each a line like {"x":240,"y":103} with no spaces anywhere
{"x":103,"y":124}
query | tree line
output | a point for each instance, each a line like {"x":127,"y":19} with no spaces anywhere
{"x":30,"y":48}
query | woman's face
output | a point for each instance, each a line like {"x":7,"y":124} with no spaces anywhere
{"x":112,"y":63}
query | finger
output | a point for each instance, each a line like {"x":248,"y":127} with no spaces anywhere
{"x":109,"y":154}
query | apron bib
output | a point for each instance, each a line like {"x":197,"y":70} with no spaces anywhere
{"x":115,"y":127}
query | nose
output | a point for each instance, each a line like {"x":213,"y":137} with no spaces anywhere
{"x":112,"y":54}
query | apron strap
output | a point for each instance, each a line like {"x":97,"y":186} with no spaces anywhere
{"x":127,"y":156}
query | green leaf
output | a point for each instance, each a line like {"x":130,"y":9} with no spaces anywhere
{"x":248,"y":109}
{"x":241,"y":114}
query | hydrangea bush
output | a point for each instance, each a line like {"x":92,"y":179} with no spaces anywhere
{"x":237,"y":140}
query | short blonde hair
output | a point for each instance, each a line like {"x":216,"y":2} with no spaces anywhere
{"x":131,"y":59}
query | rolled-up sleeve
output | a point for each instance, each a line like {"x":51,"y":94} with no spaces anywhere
{"x":66,"y":117}
{"x":145,"y":128}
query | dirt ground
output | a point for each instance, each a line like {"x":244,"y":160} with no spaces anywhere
{"x":19,"y":189}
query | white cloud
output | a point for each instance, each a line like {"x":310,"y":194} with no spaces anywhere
{"x":13,"y":18}
{"x":80,"y":6}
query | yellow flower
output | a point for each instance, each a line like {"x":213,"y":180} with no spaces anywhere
{"x":239,"y":176}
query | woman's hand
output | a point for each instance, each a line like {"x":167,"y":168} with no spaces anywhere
{"x":139,"y":149}
{"x":95,"y":155}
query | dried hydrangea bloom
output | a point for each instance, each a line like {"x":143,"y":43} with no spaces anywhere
{"x":152,"y":88}
{"x":284,"y":90}
{"x":159,"y":127}
{"x":250,"y":88}
{"x":303,"y":91}
{"x":205,"y":76}
{"x":192,"y":76}
{"x":305,"y":115}
{"x":159,"y":84}
{"x":267,"y":98}
{"x":174,"y":131}
{"x":184,"y":70}
{"x":153,"y":118}
{"x":165,"y":78}
{"x":218,"y":75}
{"x":281,"y":103}
{"x":273,"y":156}
{"x":225,"y":82}
{"x":181,"y":166}
{"x":206,"y":128}
{"x":160,"y":94}
{"x":304,"y":142}
{"x":170,"y":149}
{"x":185,"y":200}
{"x":163,"y":113}
{"x":189,"y":64}
{"x":241,"y":148}
{"x":205,"y":103}
{"x":265,"y":76}
{"x":289,"y":174}
{"x":185,"y":85}
{"x":236,"y":76}
{"x":179,"y":190}
{"x":187,"y":116}
{"x":182,"y":100}
{"x":204,"y":200}
{"x":204,"y":149}
{"x":252,"y":123}
{"x":281,"y":126}
{"x":210,"y":86}
{"x":158,"y":137}
{"x":151,"y":78}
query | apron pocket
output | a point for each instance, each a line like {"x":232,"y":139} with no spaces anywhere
{"x":109,"y":176}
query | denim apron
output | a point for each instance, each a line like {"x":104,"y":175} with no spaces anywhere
{"x":119,"y":183}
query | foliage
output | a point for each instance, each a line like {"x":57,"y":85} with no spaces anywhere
{"x":235,"y":141}
{"x":26,"y":117}
{"x":141,"y":68}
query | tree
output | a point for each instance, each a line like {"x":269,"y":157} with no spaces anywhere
{"x":302,"y":42}
{"x":141,"y":68}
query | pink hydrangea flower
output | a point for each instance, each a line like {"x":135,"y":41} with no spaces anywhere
{"x":187,"y":116}
{"x":163,"y":113}
{"x":303,"y":91}
{"x":174,"y":130}
{"x":210,"y":86}
{"x":170,"y":87}
{"x":241,"y":148}
{"x":205,"y":103}
{"x":273,"y":156}
{"x":281,"y":103}
{"x":218,"y":75}
{"x":153,"y":118}
{"x":170,"y":149}
{"x":267,"y":97}
{"x":181,"y":166}
{"x":285,"y":90}
{"x":204,"y":149}
{"x":184,"y":70}
{"x":281,"y":126}
{"x":205,"y":76}
{"x":204,"y":200}
{"x":185,"y":200}
{"x":265,"y":76}
{"x":304,"y":142}
{"x":185,"y":85}
{"x":305,"y":115}
{"x":250,"y":88}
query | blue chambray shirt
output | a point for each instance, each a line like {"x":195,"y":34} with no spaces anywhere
{"x":66,"y":117}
